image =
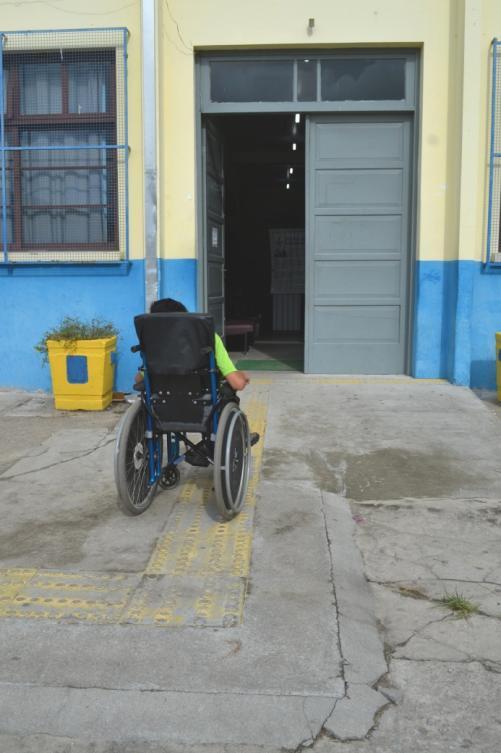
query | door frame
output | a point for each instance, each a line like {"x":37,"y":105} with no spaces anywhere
{"x":314,"y":108}
{"x":209,"y":127}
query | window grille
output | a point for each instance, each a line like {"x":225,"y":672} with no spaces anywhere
{"x":494,"y":209}
{"x":63,"y":146}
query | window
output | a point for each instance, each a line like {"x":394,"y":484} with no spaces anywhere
{"x":261,"y":80}
{"x":59,"y":196}
{"x":63,"y":176}
{"x":369,"y":79}
{"x":494,"y":206}
{"x":320,"y":81}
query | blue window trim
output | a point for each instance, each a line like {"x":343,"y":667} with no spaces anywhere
{"x":57,"y":268}
{"x":120,"y":266}
{"x":493,"y":266}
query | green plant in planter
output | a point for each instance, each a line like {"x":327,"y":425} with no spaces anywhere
{"x":72,"y":329}
{"x":82,"y":360}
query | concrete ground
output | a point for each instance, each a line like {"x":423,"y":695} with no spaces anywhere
{"x":314,"y":620}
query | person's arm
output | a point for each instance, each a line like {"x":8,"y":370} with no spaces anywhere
{"x":238,"y":380}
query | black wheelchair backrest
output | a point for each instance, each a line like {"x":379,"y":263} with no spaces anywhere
{"x":176,"y":350}
{"x":175,"y":343}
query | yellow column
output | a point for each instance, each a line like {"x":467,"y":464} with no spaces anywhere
{"x":470,"y":188}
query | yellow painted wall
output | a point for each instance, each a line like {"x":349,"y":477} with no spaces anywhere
{"x":453,"y":121}
{"x":197,"y":24}
{"x":452,"y":153}
{"x":482,"y":23}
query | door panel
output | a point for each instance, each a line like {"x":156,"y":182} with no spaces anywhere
{"x":213,"y":182}
{"x":358,"y":173}
{"x":356,"y":190}
{"x":361,"y":143}
{"x":358,"y":234}
{"x":340,"y":324}
{"x":356,"y":280}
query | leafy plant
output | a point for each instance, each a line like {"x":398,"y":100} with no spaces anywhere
{"x":72,"y":329}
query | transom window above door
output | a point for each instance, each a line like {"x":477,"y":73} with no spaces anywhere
{"x":316,"y":81}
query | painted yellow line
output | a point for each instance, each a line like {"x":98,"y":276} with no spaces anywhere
{"x":376,"y":380}
{"x":197,"y":574}
{"x":361,"y":379}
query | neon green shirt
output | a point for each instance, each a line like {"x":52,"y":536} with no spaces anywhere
{"x":223,"y":361}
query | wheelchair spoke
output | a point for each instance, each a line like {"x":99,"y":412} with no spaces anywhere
{"x":132,"y":470}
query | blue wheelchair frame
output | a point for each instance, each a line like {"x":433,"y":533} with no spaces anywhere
{"x":155,"y":447}
{"x":170,"y":406}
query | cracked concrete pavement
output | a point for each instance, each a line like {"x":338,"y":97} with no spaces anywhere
{"x":377,"y":498}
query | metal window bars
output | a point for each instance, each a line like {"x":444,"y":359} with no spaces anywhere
{"x":493,"y":256}
{"x":64,"y":146}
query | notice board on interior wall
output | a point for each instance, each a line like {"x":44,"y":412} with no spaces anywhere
{"x":287,"y":260}
{"x":287,"y":277}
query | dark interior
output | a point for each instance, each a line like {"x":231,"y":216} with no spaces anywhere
{"x":259,"y":155}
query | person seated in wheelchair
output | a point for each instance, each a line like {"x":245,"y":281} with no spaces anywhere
{"x":182,"y":395}
{"x":234,"y":381}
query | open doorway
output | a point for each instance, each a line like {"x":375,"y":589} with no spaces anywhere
{"x":264,"y":220}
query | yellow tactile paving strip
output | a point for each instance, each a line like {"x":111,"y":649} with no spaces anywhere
{"x":67,"y":596}
{"x":196,"y":576}
{"x":320,"y":379}
{"x":376,"y":380}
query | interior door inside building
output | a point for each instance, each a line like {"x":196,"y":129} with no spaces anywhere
{"x":213,"y":219}
{"x":262,"y":185}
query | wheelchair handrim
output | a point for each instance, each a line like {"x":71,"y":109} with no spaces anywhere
{"x":244,"y":475}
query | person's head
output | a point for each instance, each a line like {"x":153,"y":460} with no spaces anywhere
{"x":167,"y":306}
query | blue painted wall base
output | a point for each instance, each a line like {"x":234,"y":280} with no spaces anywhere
{"x":36,"y":298}
{"x":457,"y":313}
{"x":178,"y":279}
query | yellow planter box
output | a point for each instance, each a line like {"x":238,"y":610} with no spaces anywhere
{"x":82,"y":373}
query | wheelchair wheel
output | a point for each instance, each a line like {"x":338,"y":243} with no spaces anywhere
{"x":231,"y":461}
{"x":170,"y":477}
{"x":135,"y":495}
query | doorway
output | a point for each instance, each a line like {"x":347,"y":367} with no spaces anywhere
{"x":307,"y":187}
{"x":264,"y":216}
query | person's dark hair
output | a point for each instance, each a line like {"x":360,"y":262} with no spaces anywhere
{"x":167,"y":306}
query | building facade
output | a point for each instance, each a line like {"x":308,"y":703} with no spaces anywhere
{"x":138,"y":147}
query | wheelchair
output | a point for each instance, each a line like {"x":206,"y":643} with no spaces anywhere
{"x":181,"y":393}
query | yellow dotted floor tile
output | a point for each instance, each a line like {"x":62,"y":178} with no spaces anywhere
{"x":196,"y":575}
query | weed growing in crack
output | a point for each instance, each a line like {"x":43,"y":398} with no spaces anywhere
{"x":458,"y":604}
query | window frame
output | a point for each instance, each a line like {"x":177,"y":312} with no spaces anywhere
{"x":493,"y":233}
{"x":15,"y":122}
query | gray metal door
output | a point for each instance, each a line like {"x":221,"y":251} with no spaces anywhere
{"x":357,"y":244}
{"x":213,"y":218}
